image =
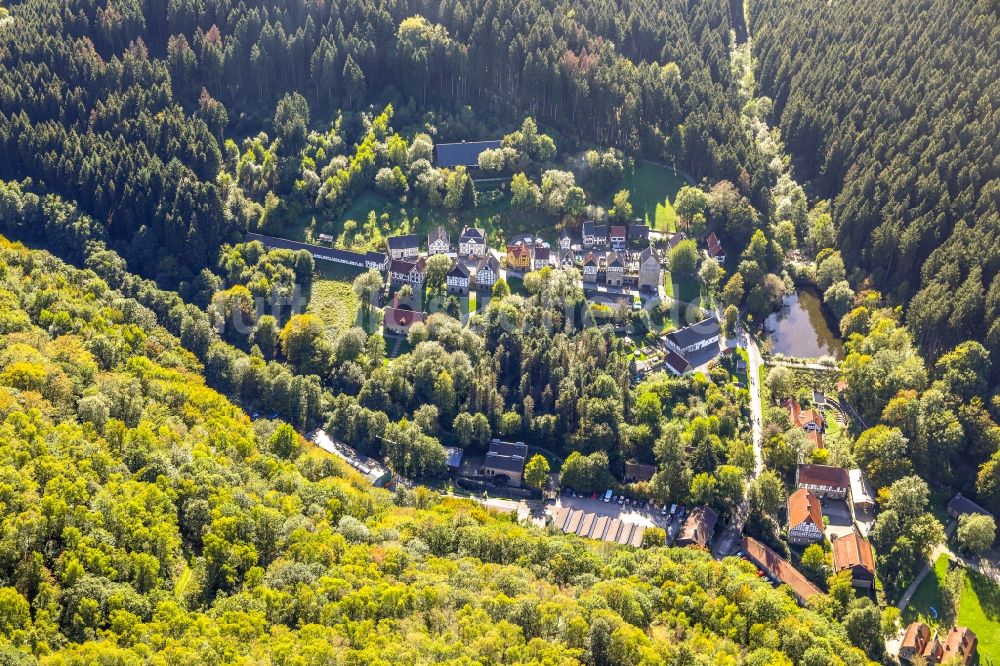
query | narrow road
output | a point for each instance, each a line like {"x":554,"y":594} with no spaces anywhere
{"x":726,"y":544}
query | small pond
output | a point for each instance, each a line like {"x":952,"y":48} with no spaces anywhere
{"x":801,"y":329}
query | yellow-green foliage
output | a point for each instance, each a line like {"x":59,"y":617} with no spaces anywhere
{"x":143,"y":518}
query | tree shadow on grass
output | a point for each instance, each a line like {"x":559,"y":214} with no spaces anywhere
{"x":988,"y":592}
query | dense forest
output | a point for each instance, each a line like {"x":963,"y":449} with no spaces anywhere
{"x":126,"y":107}
{"x":146,"y":518}
{"x":890,"y":109}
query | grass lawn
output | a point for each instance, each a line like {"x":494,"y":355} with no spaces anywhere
{"x":652,"y":188}
{"x":332,"y":299}
{"x":979,"y":608}
{"x":684,"y":288}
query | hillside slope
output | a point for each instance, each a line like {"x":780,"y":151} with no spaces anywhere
{"x":146,"y":519}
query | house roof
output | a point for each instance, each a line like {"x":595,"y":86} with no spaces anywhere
{"x":613,"y":259}
{"x":705,"y":329}
{"x":916,"y":637}
{"x":676,"y":362}
{"x":590,"y":259}
{"x":961,"y":642}
{"x":860,"y":490}
{"x":960,"y":504}
{"x":802,"y":417}
{"x":454,"y":456}
{"x":699,"y":526}
{"x":489,"y":261}
{"x":541,"y":254}
{"x":404,"y":266}
{"x":851,"y":551}
{"x":588,"y":227}
{"x":639,"y":471}
{"x":675,"y":239}
{"x":804,"y":507}
{"x":638,"y":231}
{"x":779,"y":568}
{"x":518,"y":249}
{"x":619,"y":231}
{"x":465,"y":153}
{"x":714,"y":245}
{"x":823,"y":475}
{"x":473,"y":233}
{"x":438,"y":234}
{"x":600,"y":230}
{"x":318,"y":251}
{"x":403,"y":242}
{"x":646,"y":254}
{"x":933,"y":651}
{"x":458,"y":269}
{"x":507,"y":456}
{"x":402,"y":318}
{"x":816,"y":437}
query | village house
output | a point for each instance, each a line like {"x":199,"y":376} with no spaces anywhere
{"x":695,"y":337}
{"x":699,"y":527}
{"x":400,"y":319}
{"x":853,"y":553}
{"x":810,"y":420}
{"x":565,"y":241}
{"x":675,"y":239}
{"x":779,"y":569}
{"x":961,"y":643}
{"x":638,"y":235}
{"x":407,"y":272}
{"x":403,"y":247}
{"x":823,"y":480}
{"x":914,"y":642}
{"x":458,"y":278}
{"x":454,"y":458}
{"x":464,"y":154}
{"x":650,"y":271}
{"x":961,"y":504}
{"x":472,"y":242}
{"x":587,"y":233}
{"x":541,"y":257}
{"x":615,"y":270}
{"x":519,"y":256}
{"x":567,"y":258}
{"x":487,"y":272}
{"x":506,"y":459}
{"x":438,"y":241}
{"x":862,"y":498}
{"x":677,"y":363}
{"x":618,"y":236}
{"x":590,"y":267}
{"x":715,"y":250}
{"x":635,"y":471}
{"x":805,"y":518}
{"x":365,"y":260}
{"x":601,"y":236}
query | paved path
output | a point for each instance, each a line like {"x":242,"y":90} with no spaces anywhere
{"x":938,"y":551}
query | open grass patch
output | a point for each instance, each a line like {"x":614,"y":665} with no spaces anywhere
{"x":652,"y":188}
{"x":332,"y":298}
{"x":979,"y":607}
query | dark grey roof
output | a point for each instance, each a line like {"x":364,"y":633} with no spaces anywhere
{"x":695,"y":333}
{"x":677,"y":362}
{"x":614,"y":260}
{"x":646,"y":254}
{"x":600,"y":230}
{"x":458,"y":269}
{"x":507,"y":456}
{"x":401,"y":242}
{"x":473,"y":233}
{"x":334,"y":254}
{"x":961,"y":504}
{"x":438,"y":233}
{"x":638,"y":231}
{"x":403,"y":266}
{"x":489,"y":261}
{"x":461,"y":154}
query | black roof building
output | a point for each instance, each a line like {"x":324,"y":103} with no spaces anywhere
{"x":403,"y":242}
{"x":459,"y":270}
{"x":464,"y":154}
{"x":703,"y":331}
{"x":507,"y":456}
{"x":375,"y":260}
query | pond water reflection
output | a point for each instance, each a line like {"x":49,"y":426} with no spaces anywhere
{"x":800,"y":329}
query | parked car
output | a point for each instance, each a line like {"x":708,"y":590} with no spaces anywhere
{"x":664,"y":512}
{"x":670,"y":519}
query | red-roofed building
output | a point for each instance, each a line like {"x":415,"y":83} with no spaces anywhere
{"x":779,"y":569}
{"x":961,"y":643}
{"x":855,"y":554}
{"x":715,"y":250}
{"x":805,"y":518}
